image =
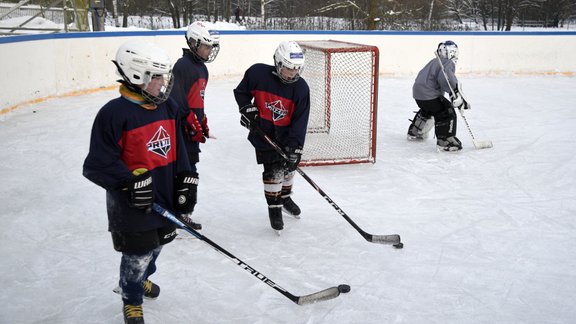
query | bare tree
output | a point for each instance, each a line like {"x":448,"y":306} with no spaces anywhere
{"x":174,"y":8}
{"x":263,"y":4}
{"x":356,"y":14}
{"x":115,"y":13}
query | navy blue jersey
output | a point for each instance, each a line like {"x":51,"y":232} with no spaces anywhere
{"x":190,"y":80}
{"x":125,"y":136}
{"x":283,"y":108}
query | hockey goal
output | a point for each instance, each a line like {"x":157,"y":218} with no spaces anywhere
{"x":343,"y":81}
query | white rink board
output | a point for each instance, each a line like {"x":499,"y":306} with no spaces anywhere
{"x":48,"y":65}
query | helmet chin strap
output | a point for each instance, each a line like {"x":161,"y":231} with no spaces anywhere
{"x":284,"y":80}
{"x":132,"y":87}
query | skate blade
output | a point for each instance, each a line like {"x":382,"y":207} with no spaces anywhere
{"x":290,"y":214}
{"x":441,"y":149}
{"x":415,"y":138}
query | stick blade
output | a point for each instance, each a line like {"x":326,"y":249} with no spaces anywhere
{"x":483,"y":144}
{"x":385,"y":239}
{"x":325,"y":294}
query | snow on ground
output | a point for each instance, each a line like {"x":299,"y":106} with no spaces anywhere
{"x":139,"y":23}
{"x":489,"y":234}
{"x":39,"y":23}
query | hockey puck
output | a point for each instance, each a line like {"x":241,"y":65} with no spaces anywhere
{"x":344,"y":288}
{"x":399,"y":245}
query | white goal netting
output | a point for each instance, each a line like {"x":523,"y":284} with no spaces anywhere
{"x":343,"y":80}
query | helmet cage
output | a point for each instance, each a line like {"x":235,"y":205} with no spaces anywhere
{"x":198,"y":34}
{"x":448,"y":50}
{"x":167,"y":84}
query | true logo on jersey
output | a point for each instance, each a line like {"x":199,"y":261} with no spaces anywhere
{"x":277,"y":109}
{"x":160,"y":143}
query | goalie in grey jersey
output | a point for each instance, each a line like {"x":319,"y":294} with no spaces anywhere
{"x":436,"y":110}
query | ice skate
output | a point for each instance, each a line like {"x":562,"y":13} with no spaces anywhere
{"x":183,"y":234}
{"x":151,"y":290}
{"x":450,"y":144}
{"x":187,"y":219}
{"x":133,"y":314}
{"x":276,"y":222}
{"x":289,"y":207}
{"x":414,"y":138}
{"x":414,"y":134}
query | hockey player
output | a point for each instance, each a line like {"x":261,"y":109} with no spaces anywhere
{"x":277,"y":100}
{"x":137,"y":154}
{"x":435,"y":110}
{"x":190,"y":80}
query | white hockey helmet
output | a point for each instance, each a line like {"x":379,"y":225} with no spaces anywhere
{"x":448,"y":50}
{"x":199,"y":34}
{"x":138,"y":62}
{"x":289,"y":55}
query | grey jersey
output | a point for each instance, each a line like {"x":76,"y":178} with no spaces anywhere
{"x":430,"y":82}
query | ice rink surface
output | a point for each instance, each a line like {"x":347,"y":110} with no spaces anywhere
{"x":489,"y":234}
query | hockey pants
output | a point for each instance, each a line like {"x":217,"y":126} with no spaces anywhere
{"x":444,"y":115}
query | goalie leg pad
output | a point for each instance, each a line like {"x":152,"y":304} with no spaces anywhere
{"x":421,"y":125}
{"x":446,"y":123}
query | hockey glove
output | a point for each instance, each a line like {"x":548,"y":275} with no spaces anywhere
{"x":186,"y":191}
{"x":294,"y":155}
{"x":249,"y":116}
{"x":141,"y":191}
{"x":458,"y":101}
{"x":193,"y":128}
{"x":205,"y":128}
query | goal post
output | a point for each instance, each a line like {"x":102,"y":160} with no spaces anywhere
{"x":343,"y":81}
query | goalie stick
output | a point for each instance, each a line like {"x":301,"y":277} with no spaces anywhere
{"x":477,"y":144}
{"x":325,"y":294}
{"x":393,"y":239}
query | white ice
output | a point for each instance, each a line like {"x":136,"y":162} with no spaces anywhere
{"x":489,"y":234}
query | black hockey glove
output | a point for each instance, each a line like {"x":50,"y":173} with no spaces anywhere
{"x":141,"y":191}
{"x":186,"y":191}
{"x":294,"y":155}
{"x":249,"y":116}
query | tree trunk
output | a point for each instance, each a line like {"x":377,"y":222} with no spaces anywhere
{"x":81,"y":15}
{"x":509,"y":16}
{"x":430,"y":14}
{"x":125,"y":14}
{"x":228,"y":10}
{"x":115,"y":13}
{"x":263,"y":13}
{"x":370,"y":23}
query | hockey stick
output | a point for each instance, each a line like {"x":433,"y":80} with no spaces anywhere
{"x":325,"y":294}
{"x":393,"y":239}
{"x":477,"y":144}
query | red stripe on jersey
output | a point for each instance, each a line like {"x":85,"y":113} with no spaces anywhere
{"x":149,"y":146}
{"x":195,"y":96}
{"x":274,"y":108}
